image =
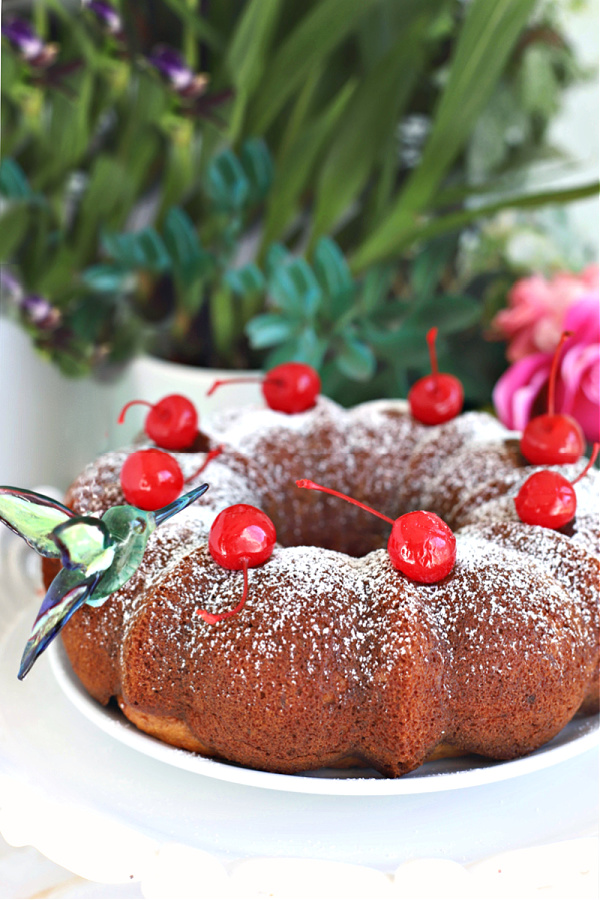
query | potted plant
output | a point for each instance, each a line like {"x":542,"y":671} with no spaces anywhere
{"x":242,"y":183}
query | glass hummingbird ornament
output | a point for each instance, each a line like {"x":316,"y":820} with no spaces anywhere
{"x":99,"y":555}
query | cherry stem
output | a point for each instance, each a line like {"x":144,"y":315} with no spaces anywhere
{"x":554,"y":372}
{"x":250,"y":380}
{"x":591,"y":462}
{"x":220,"y":381}
{"x":213,"y":618}
{"x":311,"y":486}
{"x":431,"y":339}
{"x":212,"y":454}
{"x":123,"y":412}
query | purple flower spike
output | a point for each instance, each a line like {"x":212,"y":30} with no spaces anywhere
{"x":40,"y":312}
{"x":23,"y":38}
{"x":174,"y":70}
{"x":106,"y":15}
{"x":27,"y":43}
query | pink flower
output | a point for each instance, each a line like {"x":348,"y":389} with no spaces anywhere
{"x":578,"y":383}
{"x":578,"y":388}
{"x":536,"y":311}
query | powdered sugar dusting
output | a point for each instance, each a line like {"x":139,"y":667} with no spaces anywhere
{"x":520,"y":600}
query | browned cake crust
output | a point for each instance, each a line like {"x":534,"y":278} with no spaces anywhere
{"x":338,"y":658}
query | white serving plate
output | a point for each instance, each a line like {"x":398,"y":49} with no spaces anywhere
{"x":443,"y":775}
{"x":101,"y":799}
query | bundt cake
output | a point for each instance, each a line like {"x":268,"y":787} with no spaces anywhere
{"x":337,"y":658}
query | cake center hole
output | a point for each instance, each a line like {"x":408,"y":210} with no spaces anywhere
{"x":332,"y":525}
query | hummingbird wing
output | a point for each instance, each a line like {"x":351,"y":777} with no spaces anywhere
{"x":33,"y":517}
{"x":65,"y":595}
{"x":84,"y":543}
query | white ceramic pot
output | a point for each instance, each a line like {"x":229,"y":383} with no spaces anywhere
{"x":53,"y":426}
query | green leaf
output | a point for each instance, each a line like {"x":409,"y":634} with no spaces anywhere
{"x":429,"y":265}
{"x":197,"y":24}
{"x":375,"y":287}
{"x":89,"y":318}
{"x":258,"y":166}
{"x":298,"y":117}
{"x":450,"y":313}
{"x":293,"y":174}
{"x":456,"y":221}
{"x":334,"y":276}
{"x":57,"y":276}
{"x":13,"y":228}
{"x":106,"y":194}
{"x":277,"y":255}
{"x":227,"y":184}
{"x":138,"y":250}
{"x":269,"y":330}
{"x":311,"y":348}
{"x":190,"y":261}
{"x":366,"y":125}
{"x":191,"y":298}
{"x":403,"y":346}
{"x":307,"y":348}
{"x":223,"y":320}
{"x":355,"y":359}
{"x":318,"y":33}
{"x":246,"y":280}
{"x":13,"y":181}
{"x":248,"y":54}
{"x":487,"y":38}
{"x":294,"y":288}
{"x":66,"y":138}
{"x":105,"y":278}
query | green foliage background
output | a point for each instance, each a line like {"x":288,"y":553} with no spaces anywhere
{"x":314,"y":211}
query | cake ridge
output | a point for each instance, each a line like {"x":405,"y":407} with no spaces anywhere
{"x":344,"y":648}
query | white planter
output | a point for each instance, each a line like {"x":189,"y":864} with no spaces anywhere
{"x":53,"y":426}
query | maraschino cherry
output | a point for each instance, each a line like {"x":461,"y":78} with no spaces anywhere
{"x":421,"y":545}
{"x":241,"y":536}
{"x":438,"y":397}
{"x":290,"y":388}
{"x":152,"y":478}
{"x":553,"y":438}
{"x":172,"y":423}
{"x":548,"y":499}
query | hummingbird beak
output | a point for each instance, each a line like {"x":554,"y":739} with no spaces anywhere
{"x":161,"y":515}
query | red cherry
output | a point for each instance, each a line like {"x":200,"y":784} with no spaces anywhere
{"x":421,"y":545}
{"x":553,"y":438}
{"x":241,"y":532}
{"x":290,"y":388}
{"x":241,"y":536}
{"x":172,"y":423}
{"x":149,"y":475}
{"x":151,"y":479}
{"x":548,"y":499}
{"x":436,"y":398}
